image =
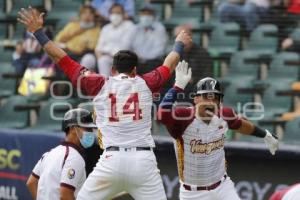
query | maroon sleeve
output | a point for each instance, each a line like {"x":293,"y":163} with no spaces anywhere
{"x":157,"y":78}
{"x":89,"y":82}
{"x":176,"y":120}
{"x":233,"y":121}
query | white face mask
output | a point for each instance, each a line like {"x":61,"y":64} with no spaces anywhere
{"x":86,"y":25}
{"x":146,"y":20}
{"x":116,"y":19}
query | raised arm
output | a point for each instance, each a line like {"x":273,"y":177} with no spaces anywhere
{"x":176,"y":119}
{"x":90,"y":83}
{"x":159,"y":76}
{"x":246,"y":127}
{"x":183,"y":39}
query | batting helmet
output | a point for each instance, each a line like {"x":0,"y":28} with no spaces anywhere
{"x":208,"y":85}
{"x":79,"y":117}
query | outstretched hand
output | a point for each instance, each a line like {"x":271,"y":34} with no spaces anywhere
{"x":183,"y":74}
{"x":31,"y":19}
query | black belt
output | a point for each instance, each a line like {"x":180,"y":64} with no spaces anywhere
{"x":210,"y":187}
{"x":113,"y":148}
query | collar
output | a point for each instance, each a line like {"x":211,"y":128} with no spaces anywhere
{"x":79,"y":149}
{"x":123,"y":76}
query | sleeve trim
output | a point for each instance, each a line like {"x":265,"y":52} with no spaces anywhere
{"x":35,"y":175}
{"x":63,"y":60}
{"x":71,"y":187}
{"x":165,"y":72}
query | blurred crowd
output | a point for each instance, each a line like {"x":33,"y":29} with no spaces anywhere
{"x":104,"y":27}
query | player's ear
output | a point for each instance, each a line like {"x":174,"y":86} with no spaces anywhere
{"x":114,"y":71}
{"x":134,"y":71}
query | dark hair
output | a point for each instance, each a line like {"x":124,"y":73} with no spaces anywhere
{"x":124,"y":61}
{"x":116,"y":5}
{"x":87,"y":7}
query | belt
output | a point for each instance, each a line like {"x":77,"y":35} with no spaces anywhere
{"x":113,"y":148}
{"x":210,"y":187}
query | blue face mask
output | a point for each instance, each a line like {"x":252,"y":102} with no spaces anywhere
{"x":87,"y":140}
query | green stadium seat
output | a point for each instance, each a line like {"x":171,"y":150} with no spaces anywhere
{"x":264,"y":40}
{"x":6,"y":55}
{"x":291,"y":132}
{"x":295,"y":34}
{"x":17,"y":5}
{"x":280,"y":77}
{"x":13,"y":118}
{"x":51,"y":114}
{"x":3,"y":31}
{"x":285,"y":65}
{"x":275,"y":105}
{"x":240,"y":75}
{"x":224,"y":39}
{"x":7,"y":86}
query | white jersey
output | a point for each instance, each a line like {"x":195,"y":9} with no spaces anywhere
{"x":62,"y":166}
{"x":123,"y":108}
{"x":200,"y":152}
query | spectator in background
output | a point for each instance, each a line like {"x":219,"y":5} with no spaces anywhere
{"x":79,"y":38}
{"x":103,"y":7}
{"x":28,"y":52}
{"x":248,"y":13}
{"x":150,"y":40}
{"x":115,"y":36}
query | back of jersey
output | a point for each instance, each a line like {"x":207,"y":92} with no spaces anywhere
{"x":123,"y":108}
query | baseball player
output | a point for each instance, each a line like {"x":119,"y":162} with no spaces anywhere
{"x":199,"y":134}
{"x":123,"y":111}
{"x":60,"y":173}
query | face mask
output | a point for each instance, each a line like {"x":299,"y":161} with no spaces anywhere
{"x":87,"y":140}
{"x":115,"y":19}
{"x":86,"y":25}
{"x":146,"y":20}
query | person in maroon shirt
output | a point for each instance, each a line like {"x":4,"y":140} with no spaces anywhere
{"x":199,"y":133}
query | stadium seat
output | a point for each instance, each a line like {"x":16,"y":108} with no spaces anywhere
{"x":240,"y":75}
{"x":13,"y":118}
{"x":275,"y":105}
{"x":3,"y":31}
{"x":264,"y":40}
{"x":17,"y":5}
{"x":224,"y":39}
{"x":6,"y":55}
{"x":7,"y":86}
{"x":51,"y":114}
{"x":295,"y":34}
{"x":291,"y":132}
{"x":282,"y":66}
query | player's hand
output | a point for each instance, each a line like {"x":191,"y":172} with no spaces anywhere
{"x":184,"y":37}
{"x":271,"y":142}
{"x":31,"y":19}
{"x":183,"y":74}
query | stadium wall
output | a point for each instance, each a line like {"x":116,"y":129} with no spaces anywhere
{"x":255,"y":172}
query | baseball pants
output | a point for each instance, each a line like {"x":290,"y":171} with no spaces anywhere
{"x":225,"y":191}
{"x":132,"y":171}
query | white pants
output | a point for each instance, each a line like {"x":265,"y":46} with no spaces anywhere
{"x":225,"y":191}
{"x":104,"y":65}
{"x":135,"y":172}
